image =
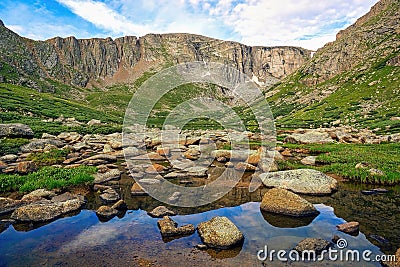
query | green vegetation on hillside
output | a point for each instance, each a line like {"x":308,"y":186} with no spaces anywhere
{"x":19,"y":104}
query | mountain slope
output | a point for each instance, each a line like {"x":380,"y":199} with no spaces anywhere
{"x":354,"y":80}
{"x":101,"y":62}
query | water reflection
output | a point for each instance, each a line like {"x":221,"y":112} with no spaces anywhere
{"x":282,"y":221}
{"x":81,"y":239}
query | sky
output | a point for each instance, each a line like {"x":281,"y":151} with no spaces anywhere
{"x":306,"y":23}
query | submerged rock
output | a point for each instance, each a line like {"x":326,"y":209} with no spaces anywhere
{"x":313,"y":244}
{"x":220,"y":232}
{"x":161,"y":211}
{"x":303,"y":181}
{"x":351,"y":228}
{"x":168,"y":227}
{"x":284,"y":202}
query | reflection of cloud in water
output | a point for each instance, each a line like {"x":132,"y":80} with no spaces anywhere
{"x":97,"y":235}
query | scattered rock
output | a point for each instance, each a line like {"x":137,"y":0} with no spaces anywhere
{"x":39,"y":193}
{"x":197,"y":171}
{"x":137,"y":190}
{"x":309,"y":137}
{"x":313,"y":244}
{"x":368,"y":192}
{"x":310,"y":160}
{"x":303,"y":181}
{"x":163,"y":151}
{"x":168,"y":227}
{"x":94,"y":122}
{"x":26,"y":167}
{"x":9,"y":158}
{"x":220,"y":232}
{"x":376,"y":172}
{"x":286,"y":153}
{"x":107,"y":148}
{"x":38,"y":144}
{"x":161,"y":211}
{"x":363,"y":165}
{"x":243,"y":166}
{"x":113,"y":174}
{"x":284,"y":202}
{"x":120,"y":205}
{"x":174,"y":197}
{"x":8,"y":205}
{"x":149,"y":181}
{"x":155,"y":169}
{"x":381,"y":190}
{"x":15,"y":130}
{"x":201,"y":246}
{"x":106,"y":212}
{"x":351,"y":228}
{"x":110,"y":195}
{"x":192,"y":154}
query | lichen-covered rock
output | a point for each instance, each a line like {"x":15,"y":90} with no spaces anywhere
{"x":161,"y":211}
{"x":220,"y":232}
{"x":303,"y":181}
{"x":106,"y":212}
{"x":15,"y":130}
{"x":351,"y":228}
{"x":168,"y":227}
{"x":284,"y":202}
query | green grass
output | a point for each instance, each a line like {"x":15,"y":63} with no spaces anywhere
{"x":54,"y":156}
{"x":341,"y":159}
{"x":11,"y":145}
{"x":19,"y":104}
{"x":48,"y":178}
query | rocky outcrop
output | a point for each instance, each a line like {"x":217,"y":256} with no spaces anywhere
{"x":220,"y":232}
{"x":285,"y":202}
{"x":15,"y":130}
{"x":361,"y":43}
{"x":303,"y":181}
{"x":82,"y":61}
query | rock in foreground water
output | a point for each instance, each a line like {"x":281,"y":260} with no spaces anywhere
{"x":220,"y":232}
{"x":284,"y":202}
{"x":313,"y":244}
{"x":168,"y":227}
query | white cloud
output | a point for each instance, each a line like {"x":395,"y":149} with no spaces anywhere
{"x":103,"y":17}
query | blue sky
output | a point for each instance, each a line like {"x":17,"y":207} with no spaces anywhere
{"x":306,"y":23}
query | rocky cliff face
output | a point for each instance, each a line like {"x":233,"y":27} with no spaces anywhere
{"x":82,"y":62}
{"x":372,"y":37}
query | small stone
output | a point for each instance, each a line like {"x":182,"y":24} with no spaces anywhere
{"x":168,"y":227}
{"x":161,"y":211}
{"x":120,"y":205}
{"x":201,"y":246}
{"x":137,"y":190}
{"x":106,"y":212}
{"x":155,"y":169}
{"x":376,"y":172}
{"x":26,"y":167}
{"x":351,"y":228}
{"x":243,"y":166}
{"x":310,"y":160}
{"x":363,"y":165}
{"x":313,"y":244}
{"x":110,"y":195}
{"x":163,"y":151}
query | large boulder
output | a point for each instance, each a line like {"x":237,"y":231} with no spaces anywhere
{"x":284,"y":202}
{"x":303,"y":181}
{"x":47,"y":210}
{"x":309,"y":137}
{"x":220,"y":232}
{"x":38,"y":144}
{"x":15,"y":130}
